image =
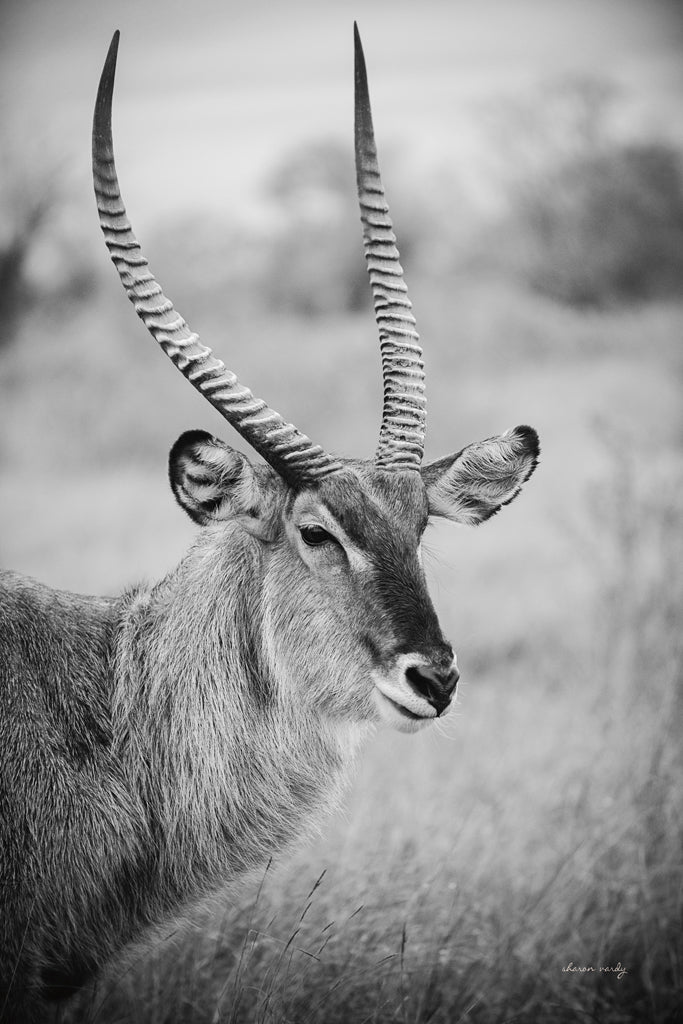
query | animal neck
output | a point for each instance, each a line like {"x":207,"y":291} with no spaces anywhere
{"x":228,"y":767}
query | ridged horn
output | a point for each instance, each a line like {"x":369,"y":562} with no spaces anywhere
{"x":402,"y":434}
{"x":288,"y":451}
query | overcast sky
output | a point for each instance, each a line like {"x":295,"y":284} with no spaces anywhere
{"x":210,"y":94}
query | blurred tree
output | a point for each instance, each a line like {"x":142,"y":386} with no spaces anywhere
{"x":315,"y":264}
{"x":41,"y":250}
{"x":24,"y":209}
{"x":607,"y":227}
{"x":318,"y":168}
{"x":595,"y":221}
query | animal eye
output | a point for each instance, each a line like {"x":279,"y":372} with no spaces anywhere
{"x":315,"y":535}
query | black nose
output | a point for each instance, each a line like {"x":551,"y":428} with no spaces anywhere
{"x":435,"y":687}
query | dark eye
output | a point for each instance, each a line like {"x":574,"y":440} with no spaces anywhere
{"x":315,"y":535}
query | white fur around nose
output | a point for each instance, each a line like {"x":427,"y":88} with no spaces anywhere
{"x":394,"y":685}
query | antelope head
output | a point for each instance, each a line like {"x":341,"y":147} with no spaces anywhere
{"x":347,"y":624}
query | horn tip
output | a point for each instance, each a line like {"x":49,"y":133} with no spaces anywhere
{"x":360,"y":72}
{"x":113,"y":48}
{"x":102,"y":117}
{"x":112,"y":53}
{"x":358,"y":46}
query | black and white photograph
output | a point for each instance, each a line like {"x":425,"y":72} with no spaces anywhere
{"x":341,"y":512}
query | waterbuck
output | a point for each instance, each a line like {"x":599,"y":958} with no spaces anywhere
{"x":155,"y":745}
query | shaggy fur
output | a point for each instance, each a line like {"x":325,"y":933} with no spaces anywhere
{"x":157,"y":745}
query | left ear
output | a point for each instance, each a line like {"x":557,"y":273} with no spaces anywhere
{"x":473,"y":484}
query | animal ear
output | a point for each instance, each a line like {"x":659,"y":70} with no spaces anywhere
{"x":473,"y":484}
{"x":213,"y":482}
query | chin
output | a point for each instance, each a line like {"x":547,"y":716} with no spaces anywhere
{"x":398,"y":716}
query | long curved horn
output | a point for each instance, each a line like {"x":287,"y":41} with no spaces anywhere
{"x":402,"y":434}
{"x":287,"y":450}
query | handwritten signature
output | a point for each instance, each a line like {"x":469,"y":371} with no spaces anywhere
{"x":573,"y":968}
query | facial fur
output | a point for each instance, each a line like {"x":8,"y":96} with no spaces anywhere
{"x":349,"y":630}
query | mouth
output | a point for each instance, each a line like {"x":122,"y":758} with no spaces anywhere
{"x":398,"y":715}
{"x":403,"y":710}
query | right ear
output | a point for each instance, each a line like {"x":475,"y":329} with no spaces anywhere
{"x":214,"y":483}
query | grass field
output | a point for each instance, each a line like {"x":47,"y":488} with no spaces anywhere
{"x":521,"y":862}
